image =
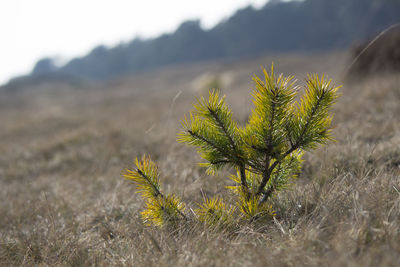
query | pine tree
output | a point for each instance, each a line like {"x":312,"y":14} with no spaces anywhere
{"x":266,"y":153}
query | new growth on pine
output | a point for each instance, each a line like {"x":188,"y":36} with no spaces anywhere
{"x":265,"y":154}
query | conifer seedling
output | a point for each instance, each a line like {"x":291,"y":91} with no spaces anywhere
{"x":265,"y":154}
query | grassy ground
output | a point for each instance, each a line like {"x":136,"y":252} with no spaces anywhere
{"x":63,"y":149}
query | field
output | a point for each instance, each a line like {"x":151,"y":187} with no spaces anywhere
{"x":63,"y":147}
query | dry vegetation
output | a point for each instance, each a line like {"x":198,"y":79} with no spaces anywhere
{"x":64,"y":202}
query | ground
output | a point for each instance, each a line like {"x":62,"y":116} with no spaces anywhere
{"x":64,"y":146}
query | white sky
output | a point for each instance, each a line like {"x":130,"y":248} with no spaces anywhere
{"x":33,"y":29}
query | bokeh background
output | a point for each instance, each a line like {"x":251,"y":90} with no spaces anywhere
{"x":87,"y":86}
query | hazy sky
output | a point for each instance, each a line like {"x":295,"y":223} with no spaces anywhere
{"x":32,"y":29}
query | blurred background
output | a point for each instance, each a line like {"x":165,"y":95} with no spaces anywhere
{"x":104,"y":40}
{"x":87,"y":86}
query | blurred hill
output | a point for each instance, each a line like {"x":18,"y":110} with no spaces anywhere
{"x":307,"y":25}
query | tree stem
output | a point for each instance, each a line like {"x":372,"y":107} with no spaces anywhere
{"x":245,"y":187}
{"x":267,"y":173}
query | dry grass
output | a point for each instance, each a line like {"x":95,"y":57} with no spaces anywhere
{"x":63,"y":201}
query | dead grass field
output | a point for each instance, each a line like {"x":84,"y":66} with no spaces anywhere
{"x":63,"y":200}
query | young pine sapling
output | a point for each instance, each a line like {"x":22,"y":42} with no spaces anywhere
{"x":266,"y":153}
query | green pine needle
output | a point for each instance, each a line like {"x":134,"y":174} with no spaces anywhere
{"x":266,"y":153}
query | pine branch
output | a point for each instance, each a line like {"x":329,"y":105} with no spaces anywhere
{"x":297,"y":145}
{"x":310,"y":117}
{"x":145,"y":176}
{"x":267,"y":172}
{"x":183,"y":215}
{"x":235,"y":148}
{"x":210,"y":143}
{"x":240,"y":160}
{"x":222,"y":127}
{"x":158,"y":193}
{"x":241,"y":167}
{"x":218,"y":115}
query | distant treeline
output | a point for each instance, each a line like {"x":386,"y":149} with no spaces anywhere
{"x":277,"y":27}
